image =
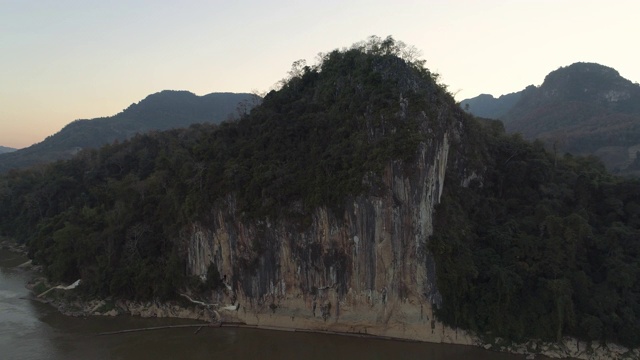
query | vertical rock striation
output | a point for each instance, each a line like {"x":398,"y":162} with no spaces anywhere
{"x":366,"y":270}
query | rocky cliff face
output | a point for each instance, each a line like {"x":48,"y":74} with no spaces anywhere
{"x":366,"y":270}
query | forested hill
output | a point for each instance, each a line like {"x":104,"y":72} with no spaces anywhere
{"x":528,"y":244}
{"x":573,"y":98}
{"x":583,"y":109}
{"x":4,"y":149}
{"x":160,"y":111}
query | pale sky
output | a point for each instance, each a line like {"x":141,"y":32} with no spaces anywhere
{"x":62,"y":60}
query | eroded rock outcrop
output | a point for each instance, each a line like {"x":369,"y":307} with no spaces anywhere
{"x":366,"y":270}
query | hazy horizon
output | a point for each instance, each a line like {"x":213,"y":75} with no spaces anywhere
{"x":63,"y":61}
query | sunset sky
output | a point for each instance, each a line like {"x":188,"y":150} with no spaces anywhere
{"x":64,"y":60}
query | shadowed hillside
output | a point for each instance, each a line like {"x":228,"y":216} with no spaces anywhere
{"x":486,"y":106}
{"x":358,"y":197}
{"x":582,"y":109}
{"x":161,"y":111}
{"x":4,"y":149}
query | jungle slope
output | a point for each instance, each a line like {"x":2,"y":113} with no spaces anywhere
{"x":358,"y":197}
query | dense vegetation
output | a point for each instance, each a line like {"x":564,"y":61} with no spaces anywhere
{"x":539,"y":246}
{"x":535,"y":245}
{"x":113,"y":216}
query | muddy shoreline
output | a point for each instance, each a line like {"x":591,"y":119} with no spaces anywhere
{"x":569,"y":349}
{"x":71,"y":304}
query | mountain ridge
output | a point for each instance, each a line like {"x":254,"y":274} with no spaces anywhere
{"x":487,"y":106}
{"x":163,"y":110}
{"x":583,"y":108}
{"x":5,"y":149}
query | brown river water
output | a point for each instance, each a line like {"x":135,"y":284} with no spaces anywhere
{"x":33,"y":330}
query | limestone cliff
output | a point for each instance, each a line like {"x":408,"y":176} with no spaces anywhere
{"x":317,"y":210}
{"x":366,"y":270}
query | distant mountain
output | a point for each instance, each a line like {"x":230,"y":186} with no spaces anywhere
{"x":583,"y":109}
{"x":4,"y":149}
{"x":486,"y":106}
{"x":160,"y":111}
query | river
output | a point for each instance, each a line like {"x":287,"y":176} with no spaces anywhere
{"x":33,"y":330}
